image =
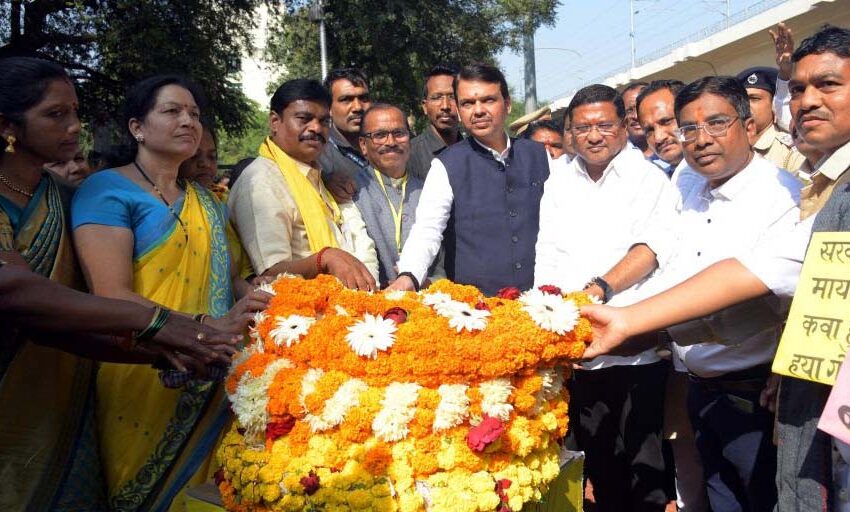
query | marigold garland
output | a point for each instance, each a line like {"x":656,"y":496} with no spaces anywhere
{"x":444,"y":417}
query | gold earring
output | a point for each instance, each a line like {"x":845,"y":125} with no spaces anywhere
{"x":10,"y":143}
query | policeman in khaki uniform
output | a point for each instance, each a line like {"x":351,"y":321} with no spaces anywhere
{"x":771,"y":143}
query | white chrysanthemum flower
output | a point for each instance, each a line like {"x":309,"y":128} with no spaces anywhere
{"x":551,"y":386}
{"x":395,"y":294}
{"x":494,"y":398}
{"x":308,"y":385}
{"x":266,"y":287}
{"x":433,"y":299}
{"x":453,"y":408}
{"x":341,"y":311}
{"x":290,"y":329}
{"x":336,"y":407}
{"x":370,"y":335}
{"x":594,"y":299}
{"x":550,"y":312}
{"x":553,"y":382}
{"x":397,"y":410}
{"x":463,"y":316}
{"x":251,"y":397}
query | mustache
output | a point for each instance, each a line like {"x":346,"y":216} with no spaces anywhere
{"x":813,"y":115}
{"x":390,"y":149}
{"x":357,"y":116}
{"x":312,"y":136}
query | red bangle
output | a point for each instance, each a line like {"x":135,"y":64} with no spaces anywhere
{"x":319,"y":269}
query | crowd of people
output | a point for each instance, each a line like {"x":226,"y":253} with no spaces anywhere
{"x":686,"y":208}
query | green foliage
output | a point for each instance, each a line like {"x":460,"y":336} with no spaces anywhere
{"x":236,"y":146}
{"x":107,"y":45}
{"x":526,"y":16}
{"x":394,"y":41}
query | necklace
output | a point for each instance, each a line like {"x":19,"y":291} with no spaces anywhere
{"x":167,"y":205}
{"x":13,"y":187}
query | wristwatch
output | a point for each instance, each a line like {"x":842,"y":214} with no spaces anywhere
{"x":607,"y":291}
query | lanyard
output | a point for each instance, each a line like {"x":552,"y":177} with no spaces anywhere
{"x":396,"y":214}
{"x":350,"y":153}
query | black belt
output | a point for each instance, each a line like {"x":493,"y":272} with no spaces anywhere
{"x":751,"y":380}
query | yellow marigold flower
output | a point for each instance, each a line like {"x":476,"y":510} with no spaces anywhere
{"x":385,"y":504}
{"x":481,"y":482}
{"x":292,"y":502}
{"x":249,"y":473}
{"x":410,"y":502}
{"x":270,"y":492}
{"x":524,"y":476}
{"x":487,"y":501}
{"x":549,"y":421}
{"x":515,"y":502}
{"x":360,"y":499}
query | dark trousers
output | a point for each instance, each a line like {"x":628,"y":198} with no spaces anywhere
{"x":617,"y":415}
{"x":734,"y":437}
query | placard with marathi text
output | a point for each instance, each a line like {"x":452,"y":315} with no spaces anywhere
{"x":817,"y":334}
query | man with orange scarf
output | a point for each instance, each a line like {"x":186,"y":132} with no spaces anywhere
{"x":286,"y":219}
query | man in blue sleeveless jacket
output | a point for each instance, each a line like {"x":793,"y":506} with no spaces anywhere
{"x":481,"y":198}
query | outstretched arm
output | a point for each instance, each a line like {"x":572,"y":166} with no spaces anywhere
{"x":721,"y":285}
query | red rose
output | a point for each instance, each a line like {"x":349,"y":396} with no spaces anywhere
{"x":397,"y":315}
{"x":310,"y":483}
{"x":219,"y":476}
{"x":481,"y":435}
{"x":280,"y":428}
{"x":551,"y":290}
{"x":502,"y":485}
{"x":481,"y":305}
{"x":509,"y":292}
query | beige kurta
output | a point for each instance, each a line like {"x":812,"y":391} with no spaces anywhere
{"x":271,"y":228}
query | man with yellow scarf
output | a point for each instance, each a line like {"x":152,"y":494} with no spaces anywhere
{"x":286,"y":219}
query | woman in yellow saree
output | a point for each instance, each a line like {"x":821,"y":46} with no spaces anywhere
{"x":48,"y":447}
{"x":143,"y":235}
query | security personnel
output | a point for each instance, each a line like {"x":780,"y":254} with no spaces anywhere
{"x":771,"y":143}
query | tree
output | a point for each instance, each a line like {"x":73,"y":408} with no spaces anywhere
{"x":525,"y":17}
{"x":107,"y":45}
{"x":394,"y":41}
{"x":235,"y":147}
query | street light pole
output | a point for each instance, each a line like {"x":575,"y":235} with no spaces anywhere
{"x":632,"y":29}
{"x":317,"y":15}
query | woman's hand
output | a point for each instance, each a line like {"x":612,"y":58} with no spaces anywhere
{"x":241,"y":314}
{"x":186,"y":337}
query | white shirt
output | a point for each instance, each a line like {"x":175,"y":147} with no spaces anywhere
{"x":586,"y":227}
{"x":782,"y":105}
{"x":758,"y":203}
{"x":432,"y":215}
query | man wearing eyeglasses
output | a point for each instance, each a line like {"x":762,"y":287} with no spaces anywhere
{"x":610,"y":204}
{"x":387,"y":193}
{"x":740,"y":201}
{"x":440,"y":106}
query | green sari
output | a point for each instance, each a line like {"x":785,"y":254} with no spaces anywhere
{"x":49,"y":456}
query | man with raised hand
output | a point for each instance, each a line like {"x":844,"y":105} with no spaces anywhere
{"x":807,"y":479}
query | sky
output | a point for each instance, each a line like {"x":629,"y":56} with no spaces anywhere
{"x":590,"y":38}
